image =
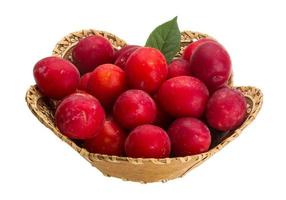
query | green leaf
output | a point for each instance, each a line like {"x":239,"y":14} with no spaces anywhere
{"x":166,"y":38}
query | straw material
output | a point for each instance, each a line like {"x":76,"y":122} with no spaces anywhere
{"x":136,"y":169}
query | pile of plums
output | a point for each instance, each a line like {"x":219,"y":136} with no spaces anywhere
{"x":131,"y":102}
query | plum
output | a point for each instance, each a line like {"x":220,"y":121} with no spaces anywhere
{"x":109,"y":140}
{"x":123,"y":55}
{"x":79,"y":116}
{"x":226,"y":109}
{"x":91,"y":52}
{"x":183,"y":96}
{"x":106,"y":83}
{"x":56,"y":77}
{"x":189,"y":136}
{"x":211,"y":64}
{"x":188,"y":52}
{"x":147,"y":141}
{"x":146,"y":69}
{"x":133,"y":108}
{"x":179,"y":67}
{"x":84,"y":81}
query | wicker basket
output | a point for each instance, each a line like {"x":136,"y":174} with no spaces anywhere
{"x":136,"y":169}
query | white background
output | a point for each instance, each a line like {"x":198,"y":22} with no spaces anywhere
{"x":35,"y":164}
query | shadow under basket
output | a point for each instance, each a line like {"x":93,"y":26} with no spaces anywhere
{"x":137,"y":169}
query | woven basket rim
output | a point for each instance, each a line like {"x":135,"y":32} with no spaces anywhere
{"x":111,"y":158}
{"x":137,"y":169}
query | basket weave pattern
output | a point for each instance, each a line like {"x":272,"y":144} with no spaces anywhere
{"x":135,"y":169}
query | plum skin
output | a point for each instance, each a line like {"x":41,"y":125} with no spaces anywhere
{"x":84,"y":81}
{"x":179,"y":67}
{"x":189,"y":136}
{"x":226,"y":109}
{"x":79,"y":116}
{"x":188,"y":52}
{"x":123,"y":50}
{"x":56,"y":77}
{"x":109,"y":140}
{"x":106,"y":83}
{"x":211,"y":64}
{"x":183,"y":96}
{"x":147,"y":141}
{"x":91,"y":52}
{"x":123,"y":55}
{"x":146,"y":69}
{"x":133,"y":108}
